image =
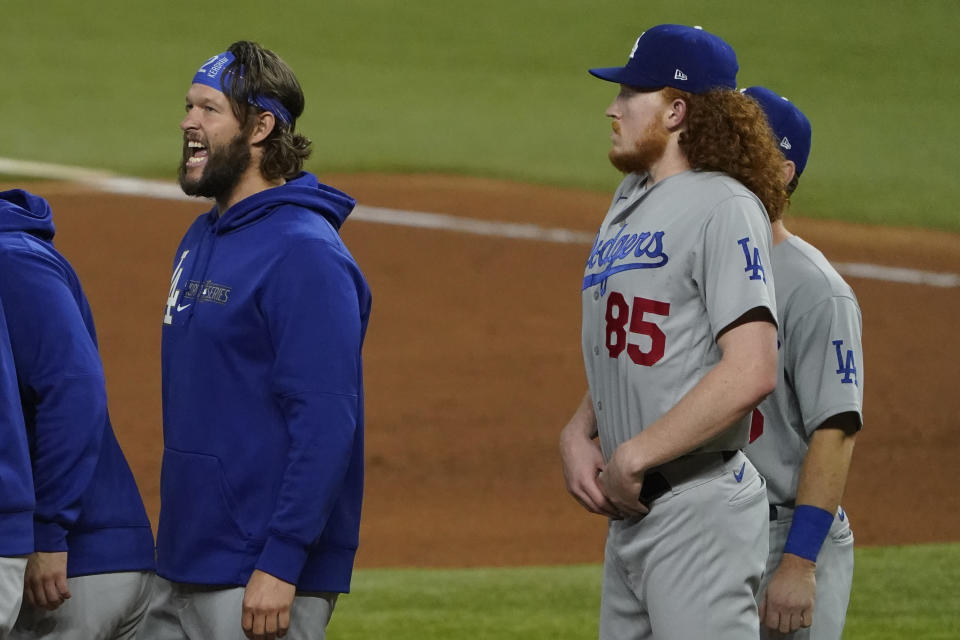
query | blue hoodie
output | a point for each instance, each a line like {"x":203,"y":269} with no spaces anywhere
{"x":87,"y":500}
{"x":16,"y":484}
{"x":263,"y":394}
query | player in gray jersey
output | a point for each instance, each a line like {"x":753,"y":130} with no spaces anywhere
{"x":679,"y":345}
{"x":804,"y":432}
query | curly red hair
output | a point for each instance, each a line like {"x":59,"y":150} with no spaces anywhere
{"x":727,"y":131}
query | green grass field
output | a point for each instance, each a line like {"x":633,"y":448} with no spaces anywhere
{"x":892,"y":600}
{"x":497,"y":88}
{"x":500,"y":88}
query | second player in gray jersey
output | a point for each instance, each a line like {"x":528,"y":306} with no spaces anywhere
{"x":804,"y":432}
{"x":679,"y":345}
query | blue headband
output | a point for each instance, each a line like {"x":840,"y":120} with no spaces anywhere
{"x":210,"y":73}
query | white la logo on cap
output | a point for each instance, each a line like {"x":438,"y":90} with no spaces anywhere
{"x":679,"y":75}
{"x":635,"y":45}
{"x":785,"y":143}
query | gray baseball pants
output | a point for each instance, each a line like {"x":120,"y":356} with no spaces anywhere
{"x":834,"y":577}
{"x":102,"y":606}
{"x":181,"y":611}
{"x":11,"y":591}
{"x":690,"y":568}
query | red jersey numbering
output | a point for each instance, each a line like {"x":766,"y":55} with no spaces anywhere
{"x":618,"y":315}
{"x":756,"y":425}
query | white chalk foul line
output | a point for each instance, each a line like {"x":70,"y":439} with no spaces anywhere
{"x":897,"y":274}
{"x":111,"y":183}
{"x":447,"y":222}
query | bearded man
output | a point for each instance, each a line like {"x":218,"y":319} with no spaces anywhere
{"x":263,"y":327}
{"x":679,"y":340}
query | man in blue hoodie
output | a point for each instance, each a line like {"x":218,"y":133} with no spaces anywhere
{"x":262,"y":474}
{"x":16,"y":489}
{"x":91,"y":569}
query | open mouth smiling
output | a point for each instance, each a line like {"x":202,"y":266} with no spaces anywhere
{"x":198,"y":153}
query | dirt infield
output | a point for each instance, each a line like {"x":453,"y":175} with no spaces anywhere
{"x":472,"y":366}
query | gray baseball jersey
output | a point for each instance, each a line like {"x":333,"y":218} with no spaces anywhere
{"x":672,"y":266}
{"x":821,"y":364}
{"x":821,"y":375}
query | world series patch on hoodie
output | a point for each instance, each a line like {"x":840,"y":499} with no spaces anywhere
{"x":263,"y":326}
{"x":87,"y":502}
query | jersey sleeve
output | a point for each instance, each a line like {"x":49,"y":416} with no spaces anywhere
{"x":314,"y":308}
{"x":824,"y":360}
{"x":732,"y":268}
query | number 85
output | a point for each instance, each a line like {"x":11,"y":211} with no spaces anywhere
{"x":619,"y":312}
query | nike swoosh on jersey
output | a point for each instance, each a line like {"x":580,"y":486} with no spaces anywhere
{"x":739,"y":474}
{"x":182,"y":307}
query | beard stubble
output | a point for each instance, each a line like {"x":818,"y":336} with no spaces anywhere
{"x":222,"y":173}
{"x":647,"y":150}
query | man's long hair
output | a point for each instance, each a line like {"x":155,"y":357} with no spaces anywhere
{"x":727,"y":131}
{"x":260,"y":72}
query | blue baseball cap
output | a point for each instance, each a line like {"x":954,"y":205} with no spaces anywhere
{"x":789,"y":125}
{"x":674,"y":55}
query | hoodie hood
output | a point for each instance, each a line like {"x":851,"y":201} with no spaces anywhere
{"x":304,"y":191}
{"x":22,"y":211}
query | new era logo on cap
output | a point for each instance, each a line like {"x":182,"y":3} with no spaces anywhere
{"x":679,"y":75}
{"x":790,"y":126}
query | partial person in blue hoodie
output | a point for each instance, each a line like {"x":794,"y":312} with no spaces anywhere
{"x":262,"y":475}
{"x":93,"y":561}
{"x":16,"y":489}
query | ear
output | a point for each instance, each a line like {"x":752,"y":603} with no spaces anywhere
{"x":789,"y":170}
{"x":265,"y":123}
{"x":674,"y":114}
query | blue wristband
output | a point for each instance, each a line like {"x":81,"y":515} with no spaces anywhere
{"x":808,"y":531}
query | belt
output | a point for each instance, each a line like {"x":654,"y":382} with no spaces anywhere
{"x":777,"y":510}
{"x":655,"y":484}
